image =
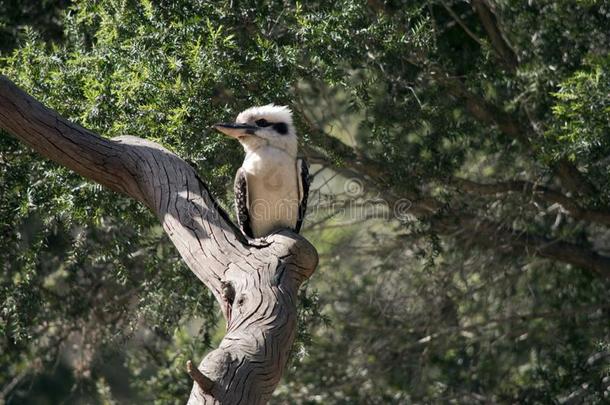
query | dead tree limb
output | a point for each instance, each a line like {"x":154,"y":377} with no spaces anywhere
{"x":264,"y":274}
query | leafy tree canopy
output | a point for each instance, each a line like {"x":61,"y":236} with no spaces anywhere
{"x":490,"y":119}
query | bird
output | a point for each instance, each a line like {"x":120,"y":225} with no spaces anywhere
{"x":272,"y":185}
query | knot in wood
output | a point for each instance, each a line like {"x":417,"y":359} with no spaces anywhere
{"x":228,"y":291}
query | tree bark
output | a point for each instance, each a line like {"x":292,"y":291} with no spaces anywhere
{"x":254,"y":281}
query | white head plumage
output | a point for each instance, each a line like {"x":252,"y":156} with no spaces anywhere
{"x":269,"y":125}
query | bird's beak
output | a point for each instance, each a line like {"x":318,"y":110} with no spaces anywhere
{"x":235,"y":130}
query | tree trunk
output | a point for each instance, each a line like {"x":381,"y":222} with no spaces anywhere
{"x":254,"y":281}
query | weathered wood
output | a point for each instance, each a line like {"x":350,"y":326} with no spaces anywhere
{"x":263,"y":276}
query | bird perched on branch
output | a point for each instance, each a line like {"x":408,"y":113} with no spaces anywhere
{"x":272,"y":185}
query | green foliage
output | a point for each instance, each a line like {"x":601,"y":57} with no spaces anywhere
{"x":397,"y":312}
{"x":581,"y":113}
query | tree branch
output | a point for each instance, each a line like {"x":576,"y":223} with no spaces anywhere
{"x":361,"y":165}
{"x":570,"y":176}
{"x":495,"y":235}
{"x":461,"y":23}
{"x":69,"y":144}
{"x":265,"y":274}
{"x":423,"y":206}
{"x":486,"y":112}
{"x":540,"y":192}
{"x":204,"y":382}
{"x":490,"y":23}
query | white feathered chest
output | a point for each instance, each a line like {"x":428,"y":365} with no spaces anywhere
{"x":275,"y":189}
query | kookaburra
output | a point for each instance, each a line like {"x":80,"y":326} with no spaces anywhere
{"x":271,"y":186}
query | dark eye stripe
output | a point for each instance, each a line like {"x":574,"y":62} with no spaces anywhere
{"x":281,"y":128}
{"x":262,"y":122}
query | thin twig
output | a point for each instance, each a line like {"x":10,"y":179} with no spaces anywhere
{"x":463,"y":25}
{"x":205,"y":383}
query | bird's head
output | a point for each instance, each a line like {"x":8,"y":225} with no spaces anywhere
{"x":269,"y":125}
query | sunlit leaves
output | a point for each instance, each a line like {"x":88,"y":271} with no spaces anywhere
{"x":582,"y":112}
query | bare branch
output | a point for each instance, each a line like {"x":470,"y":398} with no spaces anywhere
{"x":69,"y":144}
{"x":265,"y":274}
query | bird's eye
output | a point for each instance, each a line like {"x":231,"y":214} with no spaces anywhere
{"x":262,"y":122}
{"x":281,"y":128}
